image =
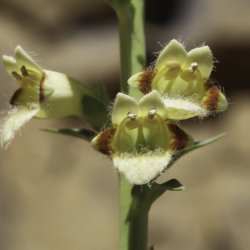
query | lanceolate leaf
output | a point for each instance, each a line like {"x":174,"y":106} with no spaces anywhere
{"x":145,"y":195}
{"x":196,"y":145}
{"x":82,"y":133}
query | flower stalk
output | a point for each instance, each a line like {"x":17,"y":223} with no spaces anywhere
{"x":130,"y":14}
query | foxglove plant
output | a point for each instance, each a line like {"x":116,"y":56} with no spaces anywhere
{"x":140,"y":135}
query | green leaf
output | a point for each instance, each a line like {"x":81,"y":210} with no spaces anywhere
{"x":145,"y":195}
{"x":95,"y":112}
{"x":82,"y":133}
{"x":196,"y":145}
{"x":102,"y":93}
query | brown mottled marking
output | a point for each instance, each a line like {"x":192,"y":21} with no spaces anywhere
{"x":207,"y":85}
{"x":16,"y":75}
{"x":145,"y":81}
{"x":180,"y":140}
{"x":41,"y":90}
{"x":24,"y":71}
{"x":104,"y":141}
{"x":211,"y":99}
{"x":15,"y":96}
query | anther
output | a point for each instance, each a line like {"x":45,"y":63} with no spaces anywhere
{"x":151,"y":113}
{"x":132,"y":116}
{"x":193,"y":67}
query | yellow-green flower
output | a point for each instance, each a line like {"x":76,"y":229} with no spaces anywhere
{"x":141,"y":142}
{"x":42,"y":94}
{"x":184,"y":76}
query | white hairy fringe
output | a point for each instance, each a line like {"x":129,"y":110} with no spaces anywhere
{"x":142,"y":168}
{"x":13,"y":120}
{"x":185,"y":104}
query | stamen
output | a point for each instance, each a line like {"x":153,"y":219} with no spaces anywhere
{"x":132,"y":116}
{"x":24,"y":71}
{"x":151,"y":113}
{"x":193,"y":67}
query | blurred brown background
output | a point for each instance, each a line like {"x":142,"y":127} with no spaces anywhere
{"x":56,"y":193}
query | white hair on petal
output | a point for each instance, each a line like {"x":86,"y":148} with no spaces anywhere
{"x":13,"y":120}
{"x":141,"y":168}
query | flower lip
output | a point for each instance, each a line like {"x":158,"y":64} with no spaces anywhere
{"x":142,"y":168}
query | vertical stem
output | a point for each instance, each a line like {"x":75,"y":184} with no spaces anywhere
{"x":132,"y":40}
{"x":133,"y":217}
{"x":125,"y":202}
{"x":138,"y":219}
{"x":133,"y":222}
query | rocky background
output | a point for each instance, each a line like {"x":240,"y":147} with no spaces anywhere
{"x":56,"y":193}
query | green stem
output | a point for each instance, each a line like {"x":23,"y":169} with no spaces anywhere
{"x":133,"y":216}
{"x":138,"y":219}
{"x":132,"y":40}
{"x":133,"y":219}
{"x":125,"y":203}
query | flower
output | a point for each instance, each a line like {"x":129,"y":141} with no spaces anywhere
{"x":141,"y":142}
{"x":183,"y":77}
{"x":42,"y":94}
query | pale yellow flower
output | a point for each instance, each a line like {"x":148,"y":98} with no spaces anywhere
{"x":141,"y":142}
{"x":182,"y":78}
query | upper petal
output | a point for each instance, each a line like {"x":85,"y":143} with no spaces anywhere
{"x":10,"y":64}
{"x":152,"y":100}
{"x":174,"y":51}
{"x":24,"y":59}
{"x":204,"y":58}
{"x":122,"y":106}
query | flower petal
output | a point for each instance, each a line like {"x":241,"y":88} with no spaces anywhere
{"x":174,"y":51}
{"x":204,"y":59}
{"x":214,"y":100}
{"x":156,"y":133}
{"x":151,"y":101}
{"x":142,"y":81}
{"x":141,"y":168}
{"x":181,"y":109}
{"x":102,"y":142}
{"x":13,"y":121}
{"x":122,"y":106}
{"x":181,"y":139}
{"x":126,"y":136}
{"x":10,"y":64}
{"x":24,"y":59}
